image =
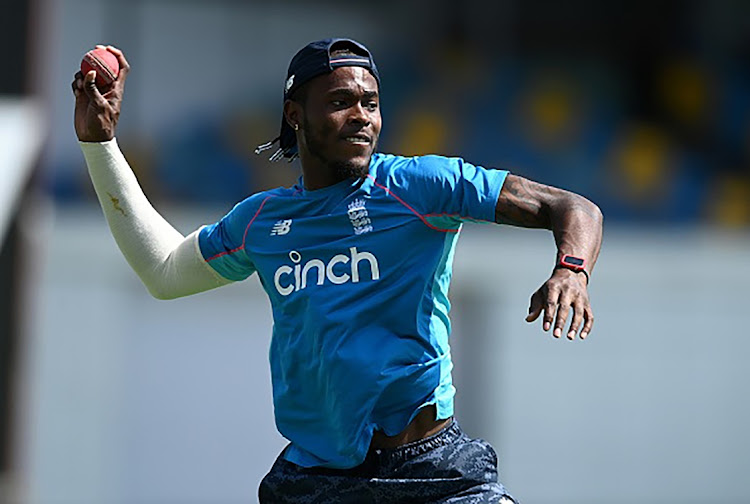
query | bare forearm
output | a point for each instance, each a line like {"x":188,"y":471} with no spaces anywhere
{"x":577,"y":225}
{"x":575,"y":221}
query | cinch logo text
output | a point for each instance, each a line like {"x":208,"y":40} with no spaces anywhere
{"x":288,"y":279}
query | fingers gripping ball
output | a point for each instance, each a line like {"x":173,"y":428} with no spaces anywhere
{"x":104,"y":63}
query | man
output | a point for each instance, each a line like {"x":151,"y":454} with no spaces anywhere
{"x":356,"y":260}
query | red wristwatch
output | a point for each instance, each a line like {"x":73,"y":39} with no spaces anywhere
{"x":577,"y":264}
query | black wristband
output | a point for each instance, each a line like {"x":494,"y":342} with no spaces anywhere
{"x":585,"y":273}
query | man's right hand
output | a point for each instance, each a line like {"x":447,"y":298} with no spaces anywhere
{"x":96,"y":114}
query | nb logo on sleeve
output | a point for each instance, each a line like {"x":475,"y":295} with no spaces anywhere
{"x":281,"y":227}
{"x":288,"y":279}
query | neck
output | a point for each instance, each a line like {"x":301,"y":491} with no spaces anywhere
{"x":317,"y":179}
{"x":316,"y":174}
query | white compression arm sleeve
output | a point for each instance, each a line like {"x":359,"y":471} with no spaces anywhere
{"x":169,"y":264}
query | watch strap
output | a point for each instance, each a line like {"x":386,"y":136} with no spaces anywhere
{"x":573,"y":263}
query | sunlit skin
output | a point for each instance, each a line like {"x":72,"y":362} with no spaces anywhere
{"x":338,"y":125}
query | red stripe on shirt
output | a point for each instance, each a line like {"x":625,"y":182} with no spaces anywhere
{"x":244,"y":237}
{"x":421,"y":217}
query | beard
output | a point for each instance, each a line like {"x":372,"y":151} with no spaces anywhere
{"x":343,"y":169}
{"x":347,"y":169}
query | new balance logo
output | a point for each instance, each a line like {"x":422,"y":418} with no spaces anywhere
{"x":289,"y":83}
{"x":281,"y":227}
{"x":358,"y":217}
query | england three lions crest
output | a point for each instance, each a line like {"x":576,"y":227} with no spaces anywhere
{"x":358,"y":216}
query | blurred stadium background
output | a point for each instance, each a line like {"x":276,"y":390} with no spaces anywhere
{"x":108,"y":396}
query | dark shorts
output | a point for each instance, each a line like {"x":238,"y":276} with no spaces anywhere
{"x":448,"y":467}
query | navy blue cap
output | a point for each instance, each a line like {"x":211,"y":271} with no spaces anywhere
{"x":311,"y":61}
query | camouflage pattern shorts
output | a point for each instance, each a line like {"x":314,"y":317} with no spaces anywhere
{"x":448,"y":467}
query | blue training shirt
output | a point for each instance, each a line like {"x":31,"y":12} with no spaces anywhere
{"x":357,"y":274}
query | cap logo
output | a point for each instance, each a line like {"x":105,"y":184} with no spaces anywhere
{"x":289,"y":83}
{"x":350,"y":60}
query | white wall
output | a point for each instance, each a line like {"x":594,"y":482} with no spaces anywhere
{"x":136,"y":400}
{"x":651,"y":408}
{"x":133,"y":400}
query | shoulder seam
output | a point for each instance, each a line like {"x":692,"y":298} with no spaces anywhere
{"x":244,"y":236}
{"x":404,"y":203}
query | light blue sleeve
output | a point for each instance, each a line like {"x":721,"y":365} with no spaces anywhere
{"x":452,"y":188}
{"x":223,"y":243}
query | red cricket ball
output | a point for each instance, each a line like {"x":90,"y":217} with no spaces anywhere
{"x":104,"y":63}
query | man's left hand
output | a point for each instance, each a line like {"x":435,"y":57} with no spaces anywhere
{"x":564,"y":290}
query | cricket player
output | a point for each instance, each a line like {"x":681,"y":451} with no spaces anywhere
{"x":356,"y":259}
